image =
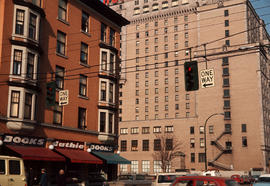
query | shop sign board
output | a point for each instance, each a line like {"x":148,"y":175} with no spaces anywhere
{"x":68,"y":144}
{"x":101,"y":147}
{"x":23,"y":140}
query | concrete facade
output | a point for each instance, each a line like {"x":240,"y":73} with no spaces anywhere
{"x":226,"y":36}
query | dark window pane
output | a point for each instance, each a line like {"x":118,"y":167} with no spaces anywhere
{"x":14,"y":167}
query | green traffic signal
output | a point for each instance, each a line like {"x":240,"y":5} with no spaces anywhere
{"x":191,"y":75}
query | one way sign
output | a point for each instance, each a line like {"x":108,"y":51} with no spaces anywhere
{"x":207,"y":78}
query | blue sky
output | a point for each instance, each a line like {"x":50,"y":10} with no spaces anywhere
{"x":262,"y":7}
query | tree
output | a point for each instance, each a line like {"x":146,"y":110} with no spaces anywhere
{"x":166,"y":148}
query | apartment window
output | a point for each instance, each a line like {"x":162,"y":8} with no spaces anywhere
{"x":226,"y":82}
{"x":192,"y":143}
{"x":156,"y":99}
{"x":226,"y":103}
{"x":102,"y":121}
{"x":82,"y":118}
{"x":157,"y":166}
{"x":244,"y":127}
{"x":201,"y":129}
{"x":145,"y":145}
{"x":186,"y":43}
{"x":165,"y":38}
{"x":157,"y":144}
{"x":62,"y":10}
{"x":169,"y":144}
{"x":176,"y":71}
{"x":226,"y":13}
{"x":166,"y":81}
{"x":225,"y":61}
{"x":168,"y":129}
{"x":156,"y":90}
{"x":156,"y":73}
{"x":59,"y":77}
{"x":137,"y":92}
{"x":166,"y":107}
{"x":123,"y":145}
{"x":123,"y":131}
{"x":228,"y":127}
{"x":112,"y":37}
{"x":135,"y":130}
{"x":134,"y":145}
{"x":176,"y":88}
{"x":30,"y":65}
{"x":83,"y":85}
{"x":111,"y":92}
{"x":166,"y":89}
{"x":15,"y":103}
{"x":145,"y":166}
{"x":156,"y":48}
{"x":166,"y":55}
{"x":174,"y":3}
{"x":84,"y":53}
{"x":227,"y":33}
{"x":146,"y":100}
{"x":145,"y":130}
{"x":187,"y":114}
{"x":166,"y":99}
{"x":61,"y":43}
{"x":146,"y":50}
{"x":17,"y":62}
{"x":175,"y":45}
{"x":227,"y":115}
{"x":156,"y":108}
{"x":146,"y":41}
{"x":186,"y":26}
{"x":192,"y":130}
{"x":85,"y":22}
{"x":157,"y":129}
{"x":156,"y":81}
{"x":185,"y":18}
{"x":227,"y":42}
{"x":19,"y":28}
{"x":103,"y":91}
{"x":226,"y":23}
{"x":244,"y":141}
{"x":192,"y":157}
{"x":156,"y":57}
{"x":176,"y":98}
{"x":146,"y":33}
{"x":137,"y":101}
{"x":136,"y":2}
{"x":134,"y":166}
{"x":175,"y":37}
{"x":28,"y":106}
{"x":165,"y":5}
{"x":176,"y":28}
{"x":187,"y":97}
{"x":57,"y":114}
{"x":211,"y":129}
{"x":137,"y":109}
{"x":201,"y":157}
{"x":123,"y":168}
{"x":226,"y":93}
{"x":32,"y":26}
{"x":176,"y":106}
{"x":103,"y":32}
{"x":156,"y":40}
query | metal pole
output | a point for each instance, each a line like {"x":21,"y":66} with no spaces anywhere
{"x":205,"y":148}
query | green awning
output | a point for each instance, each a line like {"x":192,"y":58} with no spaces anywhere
{"x":111,"y":158}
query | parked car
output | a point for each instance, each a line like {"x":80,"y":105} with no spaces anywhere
{"x":96,"y":180}
{"x":263,"y":180}
{"x":237,"y":178}
{"x":132,"y":179}
{"x":203,"y":181}
{"x":165,"y":179}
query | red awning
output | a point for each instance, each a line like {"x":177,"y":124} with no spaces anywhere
{"x":36,"y":153}
{"x":79,"y":156}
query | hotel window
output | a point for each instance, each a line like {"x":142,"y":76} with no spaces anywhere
{"x":228,"y":127}
{"x":156,"y":23}
{"x":32,"y":26}
{"x":146,"y":9}
{"x":30,"y":65}
{"x":165,"y":30}
{"x":145,"y":144}
{"x":166,"y":89}
{"x":146,"y":26}
{"x":226,"y":103}
{"x":123,"y":145}
{"x":156,"y":90}
{"x":192,"y":143}
{"x":169,"y":144}
{"x":146,"y":41}
{"x":112,"y":37}
{"x":147,"y":50}
{"x":137,"y":93}
{"x":156,"y":82}
{"x":176,"y":106}
{"x":176,"y":71}
{"x":201,"y":129}
{"x":176,"y":63}
{"x":82,"y":118}
{"x":227,"y":33}
{"x":192,"y":157}
{"x":145,"y":130}
{"x":157,"y":129}
{"x":111,"y":92}
{"x":166,"y":107}
{"x":135,"y":130}
{"x":166,"y":47}
{"x":191,"y":130}
{"x":155,"y":8}
{"x":225,"y":71}
{"x":137,"y":101}
{"x":123,"y":131}
{"x":103,"y":32}
{"x":166,"y":81}
{"x":19,"y":28}
{"x":175,"y":28}
{"x":226,"y":13}
{"x":186,"y":35}
{"x":226,"y":82}
{"x":59,"y":77}
{"x":83,"y":85}
{"x":85,"y":22}
{"x":187,"y":105}
{"x":186,"y":43}
{"x":57,"y":114}
{"x":227,"y":42}
{"x":244,"y":141}
{"x":166,"y":72}
{"x":17,"y":62}
{"x":156,"y":73}
{"x":187,"y":114}
{"x":156,"y":107}
{"x":62,"y":10}
{"x":84,"y":53}
{"x":201,"y":142}
{"x":201,"y":157}
{"x":226,"y":93}
{"x":137,"y":43}
{"x":134,"y":145}
{"x":61,"y":43}
{"x":156,"y":40}
{"x":225,"y":61}
{"x":156,"y":48}
{"x":157,"y":144}
{"x":244,"y":128}
{"x":176,"y":80}
{"x":157,"y":166}
{"x":186,"y":26}
{"x":175,"y":37}
{"x":185,"y":18}
{"x":146,"y":83}
{"x":211,"y":129}
{"x":15,"y":103}
{"x":166,"y":99}
{"x":176,"y":88}
{"x":165,"y":5}
{"x":168,"y":129}
{"x":134,"y":166}
{"x":175,"y":45}
{"x":146,"y":100}
{"x":174,"y":3}
{"x":226,"y":23}
{"x":156,"y":31}
{"x":165,"y":38}
{"x":156,"y":99}
{"x":145,"y":166}
{"x":176,"y":98}
{"x":227,"y":115}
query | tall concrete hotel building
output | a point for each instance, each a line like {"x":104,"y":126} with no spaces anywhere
{"x":230,"y":109}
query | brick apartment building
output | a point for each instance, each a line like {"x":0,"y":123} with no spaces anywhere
{"x":60,"y":45}
{"x":226,"y":36}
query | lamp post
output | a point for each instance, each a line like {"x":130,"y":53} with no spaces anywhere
{"x":205,"y":148}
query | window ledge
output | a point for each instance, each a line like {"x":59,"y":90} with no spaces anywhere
{"x":61,"y":55}
{"x":84,"y":64}
{"x":86,"y":33}
{"x":63,"y":21}
{"x":83,"y":97}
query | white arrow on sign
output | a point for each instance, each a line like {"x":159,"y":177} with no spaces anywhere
{"x":207,"y":78}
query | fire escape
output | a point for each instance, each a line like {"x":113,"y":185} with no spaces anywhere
{"x":223,"y":150}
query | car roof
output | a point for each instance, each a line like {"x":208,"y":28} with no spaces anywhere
{"x":204,"y":177}
{"x":265,"y":175}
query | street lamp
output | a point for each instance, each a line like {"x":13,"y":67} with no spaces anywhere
{"x":205,"y":149}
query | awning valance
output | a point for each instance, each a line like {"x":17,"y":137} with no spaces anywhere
{"x":111,"y":158}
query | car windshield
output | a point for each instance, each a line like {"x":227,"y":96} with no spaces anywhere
{"x":264,"y":179}
{"x":125,"y":177}
{"x":166,"y":178}
{"x":140,"y":177}
{"x":231,"y":183}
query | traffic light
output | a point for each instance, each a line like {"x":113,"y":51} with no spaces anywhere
{"x":50,"y":96}
{"x":191,"y":76}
